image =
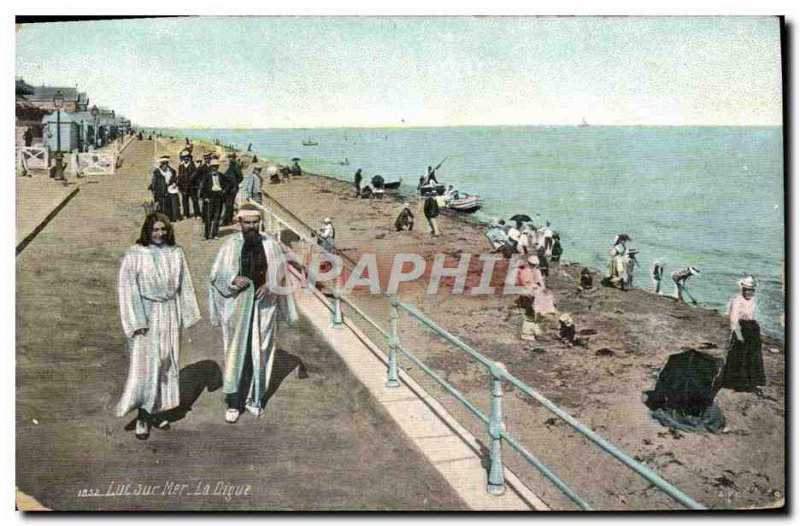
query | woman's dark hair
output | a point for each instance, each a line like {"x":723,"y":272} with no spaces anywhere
{"x":145,"y":237}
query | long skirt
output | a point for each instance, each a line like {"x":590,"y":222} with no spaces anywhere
{"x":744,"y":366}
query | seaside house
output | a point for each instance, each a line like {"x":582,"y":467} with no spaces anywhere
{"x":27,"y":115}
{"x":74,"y":100}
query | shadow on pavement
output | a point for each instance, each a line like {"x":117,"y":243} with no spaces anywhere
{"x":284,"y":364}
{"x":194,"y":378}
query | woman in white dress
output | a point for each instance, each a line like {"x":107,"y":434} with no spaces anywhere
{"x":156,"y":299}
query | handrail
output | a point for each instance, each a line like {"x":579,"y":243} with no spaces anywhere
{"x":498,"y":373}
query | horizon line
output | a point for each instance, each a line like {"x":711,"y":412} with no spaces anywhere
{"x":332,"y":127}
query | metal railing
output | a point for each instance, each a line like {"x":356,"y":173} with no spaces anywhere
{"x":494,"y":420}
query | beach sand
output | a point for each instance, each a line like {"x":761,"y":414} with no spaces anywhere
{"x":630,"y":336}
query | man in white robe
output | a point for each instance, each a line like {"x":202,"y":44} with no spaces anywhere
{"x":156,"y":299}
{"x":249,"y":290}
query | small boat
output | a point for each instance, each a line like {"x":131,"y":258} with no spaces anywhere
{"x":394,"y":185}
{"x":583,"y":124}
{"x":309,"y":142}
{"x":467,"y":204}
{"x":346,"y":162}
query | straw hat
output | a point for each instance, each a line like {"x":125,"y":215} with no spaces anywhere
{"x":748,"y":282}
{"x":694,"y":270}
{"x":494,"y":222}
{"x":533,"y":260}
{"x":633,"y":251}
{"x":163,"y":159}
{"x":326,"y":220}
{"x":406,"y":205}
{"x":214,"y":162}
{"x":566,"y":319}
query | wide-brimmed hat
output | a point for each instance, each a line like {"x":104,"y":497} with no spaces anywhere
{"x":533,"y":260}
{"x":633,"y":251}
{"x":406,"y":205}
{"x":214,"y":162}
{"x":494,"y":222}
{"x":748,"y":282}
{"x":566,"y":319}
{"x":694,"y":270}
{"x":163,"y":159}
{"x":326,"y":220}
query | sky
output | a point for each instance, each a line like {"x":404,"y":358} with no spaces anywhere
{"x":259,"y":72}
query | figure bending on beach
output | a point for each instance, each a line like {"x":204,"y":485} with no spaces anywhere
{"x":744,"y":366}
{"x":156,"y":299}
{"x":680,"y":277}
{"x":248,"y":292}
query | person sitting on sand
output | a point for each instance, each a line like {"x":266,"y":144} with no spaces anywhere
{"x":405,"y":219}
{"x":536,"y":295}
{"x":587,"y":282}
{"x":497,"y":237}
{"x":327,"y":235}
{"x":680,"y":277}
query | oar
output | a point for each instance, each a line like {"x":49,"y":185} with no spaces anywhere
{"x":440,"y":164}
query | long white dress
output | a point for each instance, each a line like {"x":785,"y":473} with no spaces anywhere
{"x":155,"y":292}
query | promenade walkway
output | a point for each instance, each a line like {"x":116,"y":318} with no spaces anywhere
{"x":324,"y":443}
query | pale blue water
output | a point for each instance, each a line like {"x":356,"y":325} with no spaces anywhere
{"x":711,"y":197}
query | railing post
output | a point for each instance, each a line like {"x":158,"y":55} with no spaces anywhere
{"x":336,"y":313}
{"x":394,"y":341}
{"x":496,"y":483}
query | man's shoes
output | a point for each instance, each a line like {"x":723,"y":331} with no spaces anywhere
{"x":163,"y":425}
{"x":256,"y":411}
{"x":231,"y":415}
{"x":142,"y":429}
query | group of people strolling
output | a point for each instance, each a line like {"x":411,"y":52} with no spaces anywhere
{"x":249,"y":290}
{"x":198,"y":189}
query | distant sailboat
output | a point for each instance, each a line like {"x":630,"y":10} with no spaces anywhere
{"x":583,"y":123}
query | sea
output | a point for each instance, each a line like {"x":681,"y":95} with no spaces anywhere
{"x":709,"y":197}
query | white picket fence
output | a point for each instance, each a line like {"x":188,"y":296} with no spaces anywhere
{"x":33,"y":157}
{"x":93,"y":163}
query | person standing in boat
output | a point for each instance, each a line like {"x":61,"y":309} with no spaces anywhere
{"x":744,"y":366}
{"x":357,"y":182}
